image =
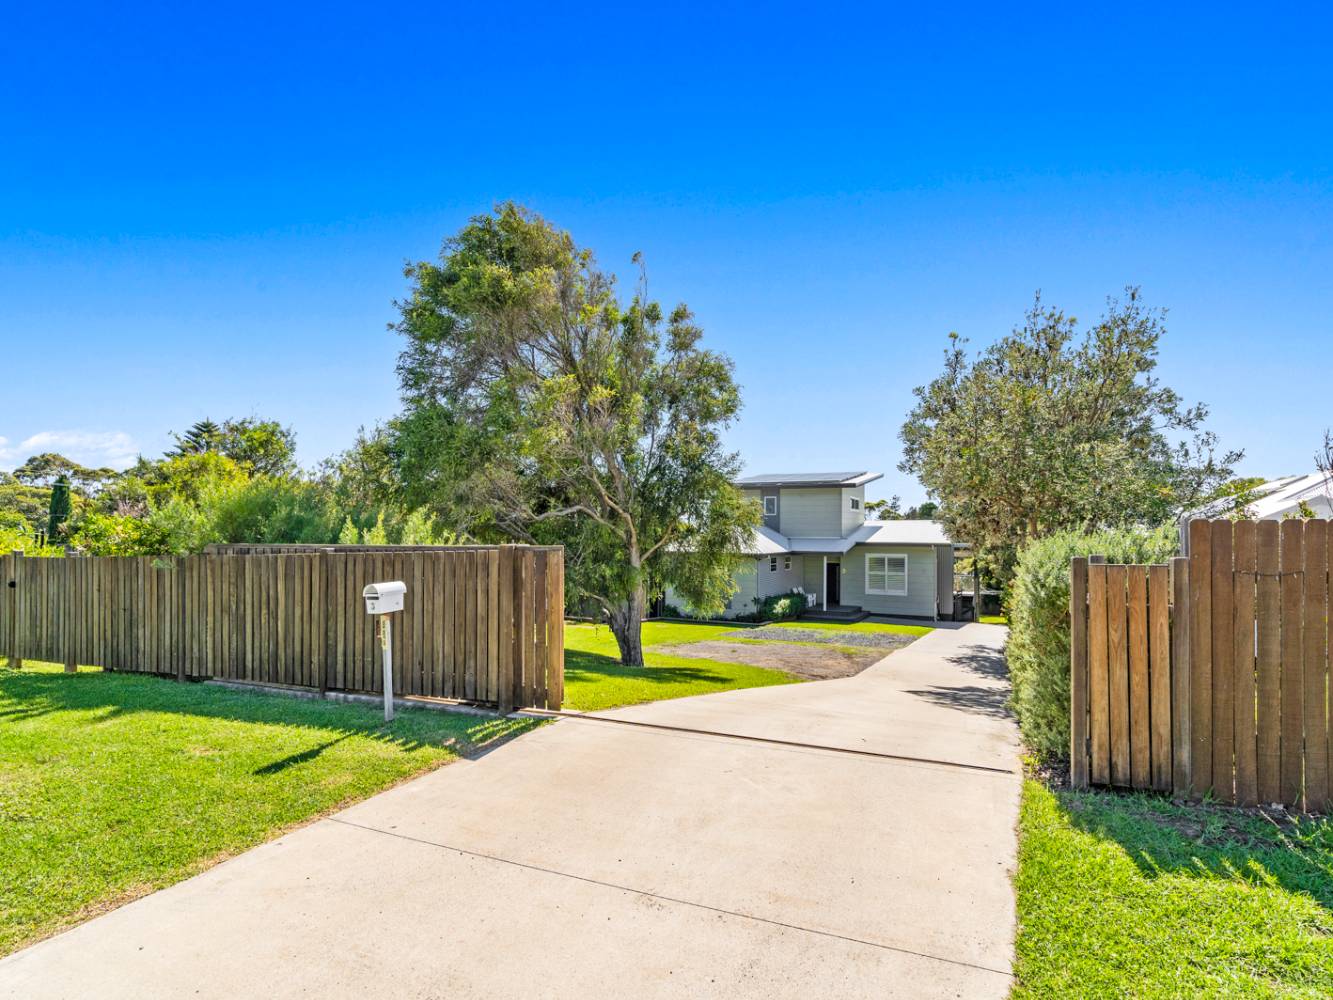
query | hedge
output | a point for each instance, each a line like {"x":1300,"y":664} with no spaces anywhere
{"x":1038,"y":649}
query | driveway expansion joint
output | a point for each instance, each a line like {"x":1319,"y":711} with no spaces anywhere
{"x":671,"y":899}
{"x":772,"y":741}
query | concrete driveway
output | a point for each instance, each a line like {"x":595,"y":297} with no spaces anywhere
{"x":844,"y":838}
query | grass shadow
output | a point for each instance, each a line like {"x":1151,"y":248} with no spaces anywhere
{"x":302,"y":757}
{"x":590,"y":667}
{"x":1210,"y":841}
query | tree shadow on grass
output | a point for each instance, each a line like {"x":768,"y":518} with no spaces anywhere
{"x":592,"y":667}
{"x":29,"y":694}
{"x":1208,"y":841}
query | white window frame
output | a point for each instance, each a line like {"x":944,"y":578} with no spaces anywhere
{"x":770,"y":506}
{"x":856,"y":503}
{"x":884,"y":558}
{"x":786,"y":563}
{"x":772,"y":564}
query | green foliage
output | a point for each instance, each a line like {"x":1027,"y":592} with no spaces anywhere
{"x":348,"y":535}
{"x":202,"y":436}
{"x":21,"y":502}
{"x":59,"y":509}
{"x":45,"y":469}
{"x":885,"y":510}
{"x":540,"y":408}
{"x":19,"y":537}
{"x":101,"y":534}
{"x":1045,"y":431}
{"x":779,"y":607}
{"x":1038,"y":650}
{"x":891,"y":510}
{"x":376,"y":535}
{"x":276,"y":510}
{"x":261,"y":447}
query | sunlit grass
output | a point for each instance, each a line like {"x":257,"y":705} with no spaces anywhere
{"x":112,"y":785}
{"x":1132,"y":896}
{"x":595,"y":679}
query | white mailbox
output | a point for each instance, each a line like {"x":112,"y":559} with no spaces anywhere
{"x":382,"y":598}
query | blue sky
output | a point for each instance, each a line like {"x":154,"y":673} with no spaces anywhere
{"x":206,"y":212}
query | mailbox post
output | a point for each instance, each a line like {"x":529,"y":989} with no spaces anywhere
{"x":383,"y":599}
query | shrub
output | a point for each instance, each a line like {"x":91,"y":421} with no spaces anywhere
{"x":780,"y":607}
{"x":1038,"y":650}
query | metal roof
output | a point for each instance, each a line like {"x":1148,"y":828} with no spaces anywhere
{"x":767,"y":542}
{"x":843,"y":479}
{"x":1277,"y":498}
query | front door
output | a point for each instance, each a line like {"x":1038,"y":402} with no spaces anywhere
{"x":833,"y":584}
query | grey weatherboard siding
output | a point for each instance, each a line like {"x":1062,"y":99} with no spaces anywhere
{"x":810,"y":513}
{"x":922,"y":590}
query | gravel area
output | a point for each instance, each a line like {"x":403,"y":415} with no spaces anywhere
{"x":800,"y":661}
{"x":794,"y":633}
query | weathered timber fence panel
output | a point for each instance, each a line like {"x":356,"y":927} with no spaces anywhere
{"x":1210,"y":675}
{"x":480,"y":623}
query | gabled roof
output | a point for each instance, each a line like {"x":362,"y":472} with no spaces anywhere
{"x":847,"y":480}
{"x":767,"y":542}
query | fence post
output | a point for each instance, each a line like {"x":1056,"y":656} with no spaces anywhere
{"x":1078,"y":672}
{"x":67,"y":629}
{"x":1181,"y":703}
{"x":320,"y":619}
{"x":508,"y":564}
{"x":16,"y":626}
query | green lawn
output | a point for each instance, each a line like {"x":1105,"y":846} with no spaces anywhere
{"x":993,"y":620}
{"x":112,"y":785}
{"x":594,"y":678}
{"x":1131,"y":896}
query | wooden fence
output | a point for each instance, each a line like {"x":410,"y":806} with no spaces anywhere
{"x":1210,"y":675}
{"x":483,"y":624}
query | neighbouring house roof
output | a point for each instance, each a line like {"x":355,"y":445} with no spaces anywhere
{"x":1280,"y":496}
{"x":767,"y":542}
{"x":847,"y":480}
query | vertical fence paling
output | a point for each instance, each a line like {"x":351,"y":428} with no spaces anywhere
{"x":1209,"y":676}
{"x":481,"y":624}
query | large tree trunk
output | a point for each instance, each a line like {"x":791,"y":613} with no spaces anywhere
{"x":627,"y":627}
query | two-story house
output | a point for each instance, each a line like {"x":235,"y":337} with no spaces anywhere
{"x":815,"y":538}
